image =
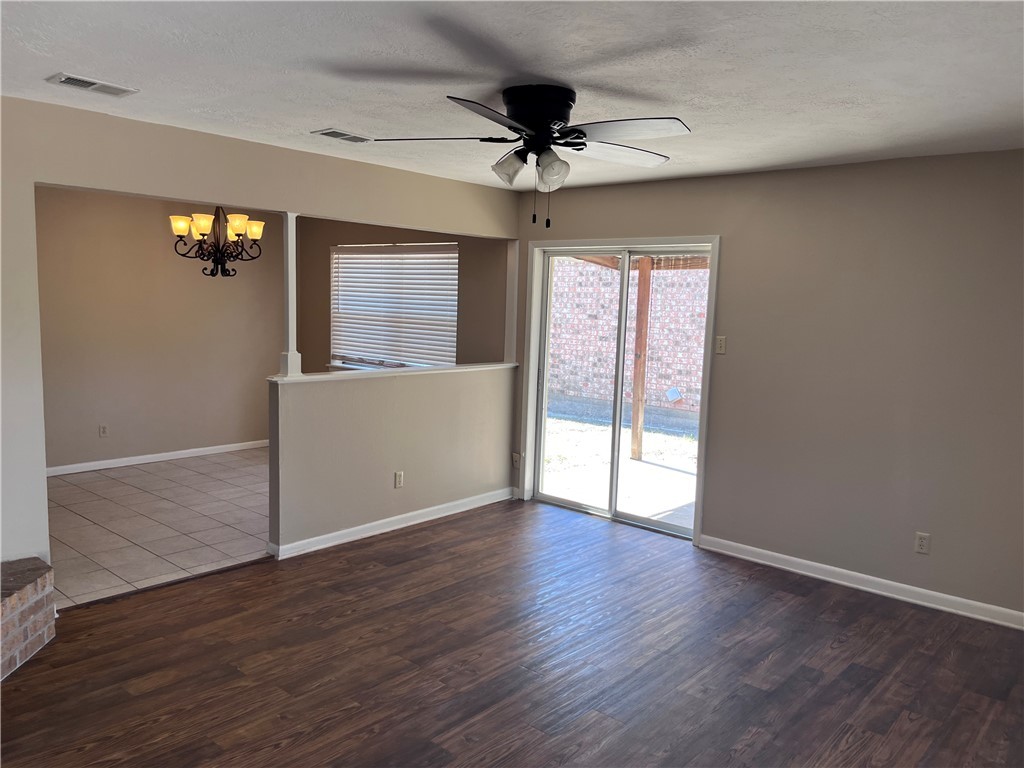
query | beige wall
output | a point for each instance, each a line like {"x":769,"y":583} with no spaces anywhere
{"x":873,"y":384}
{"x":834,"y":434}
{"x":482,"y":273}
{"x":43,"y":143}
{"x":341,"y":437}
{"x":137,"y":338}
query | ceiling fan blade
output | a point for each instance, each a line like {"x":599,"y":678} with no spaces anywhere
{"x":617,"y":153}
{"x":631,"y":130}
{"x":492,"y":115}
{"x":485,"y":139}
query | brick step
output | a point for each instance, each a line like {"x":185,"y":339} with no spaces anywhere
{"x":26,"y":610}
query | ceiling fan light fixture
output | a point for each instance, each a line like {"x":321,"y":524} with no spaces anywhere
{"x":539,"y":116}
{"x":509,"y":167}
{"x":552,"y":170}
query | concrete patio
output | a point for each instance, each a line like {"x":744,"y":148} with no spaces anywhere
{"x":661,"y":487}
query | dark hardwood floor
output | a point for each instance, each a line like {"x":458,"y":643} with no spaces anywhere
{"x":515,"y":635}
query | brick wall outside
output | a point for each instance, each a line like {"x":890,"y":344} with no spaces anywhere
{"x":584,"y":313}
{"x":26,"y":611}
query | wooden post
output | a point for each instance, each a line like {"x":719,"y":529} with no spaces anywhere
{"x":643,"y":314}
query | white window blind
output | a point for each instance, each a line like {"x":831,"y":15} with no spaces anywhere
{"x":394,"y":304}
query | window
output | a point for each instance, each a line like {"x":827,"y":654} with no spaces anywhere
{"x":394,"y":305}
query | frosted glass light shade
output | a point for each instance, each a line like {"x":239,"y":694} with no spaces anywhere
{"x":231,"y":235}
{"x":553,"y":169}
{"x":236,"y":223}
{"x":195,"y":232}
{"x":204,"y":222}
{"x":254,"y":229}
{"x":508,"y":168}
{"x":180,"y":225}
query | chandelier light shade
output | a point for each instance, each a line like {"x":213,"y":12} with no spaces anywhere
{"x":204,"y":221}
{"x":219,"y":239}
{"x":236,"y":222}
{"x":181,"y":225}
{"x":254,"y":229}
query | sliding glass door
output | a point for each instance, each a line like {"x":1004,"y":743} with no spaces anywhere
{"x":578,"y":373}
{"x":621,"y":382}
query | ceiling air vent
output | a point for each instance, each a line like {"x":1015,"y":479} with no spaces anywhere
{"x":336,"y":133}
{"x":85,"y":84}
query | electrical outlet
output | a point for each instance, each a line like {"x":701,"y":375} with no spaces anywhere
{"x":719,"y":345}
{"x":399,"y":479}
{"x":516,"y":460}
{"x":104,"y":430}
{"x":923,"y":543}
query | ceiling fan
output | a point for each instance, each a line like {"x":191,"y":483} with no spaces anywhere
{"x":538,"y":116}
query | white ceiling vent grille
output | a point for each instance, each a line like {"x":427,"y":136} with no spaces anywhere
{"x":336,"y":133}
{"x":85,"y":84}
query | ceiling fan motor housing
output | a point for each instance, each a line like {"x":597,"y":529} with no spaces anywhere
{"x":541,"y":108}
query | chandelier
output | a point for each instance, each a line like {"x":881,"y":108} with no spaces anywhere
{"x":219,"y":239}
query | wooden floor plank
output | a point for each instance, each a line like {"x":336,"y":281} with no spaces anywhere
{"x":518,"y":634}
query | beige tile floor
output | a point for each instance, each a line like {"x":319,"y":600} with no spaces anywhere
{"x":117,"y":530}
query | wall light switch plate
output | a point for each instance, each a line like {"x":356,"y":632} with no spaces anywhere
{"x":399,"y":479}
{"x":719,"y":345}
{"x":104,"y":430}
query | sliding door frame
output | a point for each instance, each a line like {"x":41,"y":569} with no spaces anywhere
{"x":535,"y":345}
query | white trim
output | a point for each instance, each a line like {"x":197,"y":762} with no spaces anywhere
{"x":705,"y":393}
{"x":618,"y":381}
{"x":531,"y":362}
{"x":312,"y":378}
{"x":388,"y":524}
{"x":926,"y":597}
{"x":127,"y":461}
{"x":291,"y":359}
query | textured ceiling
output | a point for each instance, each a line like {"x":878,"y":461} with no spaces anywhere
{"x":761,"y":85}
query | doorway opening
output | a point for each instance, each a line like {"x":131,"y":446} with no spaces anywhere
{"x":621,"y":381}
{"x":154,"y":395}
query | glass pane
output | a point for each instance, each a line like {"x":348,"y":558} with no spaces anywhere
{"x":579,"y":378}
{"x":667,"y":311}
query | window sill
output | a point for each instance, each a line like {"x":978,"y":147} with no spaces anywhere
{"x":339,"y":365}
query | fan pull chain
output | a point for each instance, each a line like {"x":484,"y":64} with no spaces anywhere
{"x":535,"y":183}
{"x":547,"y":223}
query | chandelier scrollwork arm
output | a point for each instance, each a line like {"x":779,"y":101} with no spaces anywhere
{"x":193,"y":252}
{"x":247,"y":254}
{"x":219,"y":268}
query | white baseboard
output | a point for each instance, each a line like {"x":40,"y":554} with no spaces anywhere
{"x":388,"y":524}
{"x":127,"y":461}
{"x":917,"y":595}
